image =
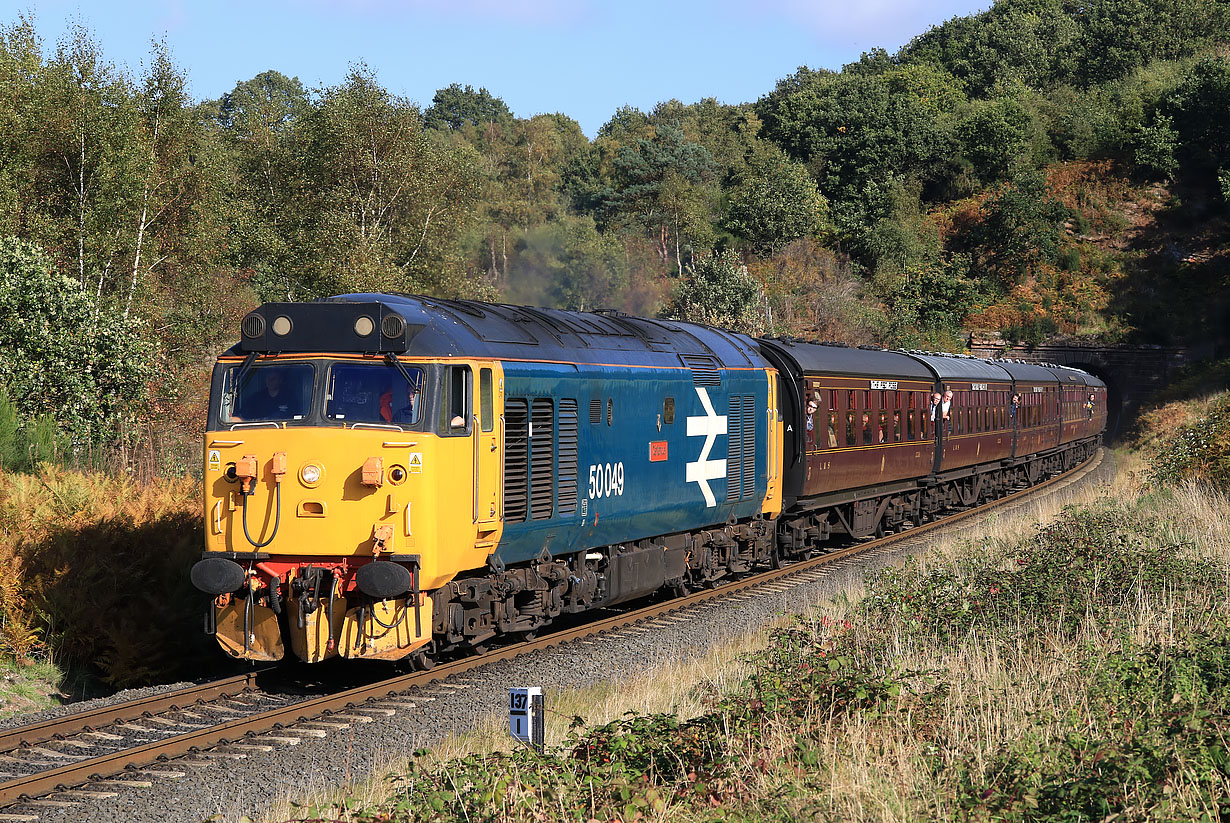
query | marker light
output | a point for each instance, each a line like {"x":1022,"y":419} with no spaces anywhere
{"x":310,"y":474}
{"x":364,"y":326}
{"x":281,"y":325}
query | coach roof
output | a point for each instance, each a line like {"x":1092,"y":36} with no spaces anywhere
{"x":835,"y":358}
{"x":961,"y":367}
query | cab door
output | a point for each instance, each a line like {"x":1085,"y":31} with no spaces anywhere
{"x":488,"y":449}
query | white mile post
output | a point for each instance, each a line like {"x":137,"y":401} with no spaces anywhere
{"x":526,"y":716}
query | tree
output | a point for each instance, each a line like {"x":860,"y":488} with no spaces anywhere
{"x":856,"y":132}
{"x":719,"y":292}
{"x":1155,"y":147}
{"x":995,"y":137}
{"x":387,"y":205}
{"x":60,"y":356}
{"x":774,"y":202}
{"x":1199,"y":107}
{"x":567,"y":264}
{"x":455,"y":106}
{"x":1021,"y":230}
{"x":666,"y":185}
{"x":260,"y":124}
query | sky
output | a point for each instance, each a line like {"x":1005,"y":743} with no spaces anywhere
{"x":584,"y":58}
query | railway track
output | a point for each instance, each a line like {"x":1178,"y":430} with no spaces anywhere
{"x":93,"y":755}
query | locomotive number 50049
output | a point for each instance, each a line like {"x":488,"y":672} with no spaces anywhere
{"x":606,"y":480}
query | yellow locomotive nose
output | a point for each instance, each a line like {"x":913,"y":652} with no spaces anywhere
{"x":348,"y":536}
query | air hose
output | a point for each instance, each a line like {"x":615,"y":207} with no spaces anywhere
{"x":277,"y":517}
{"x":332,"y":644}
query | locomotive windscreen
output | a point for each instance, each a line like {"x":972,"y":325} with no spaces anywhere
{"x":277,"y":392}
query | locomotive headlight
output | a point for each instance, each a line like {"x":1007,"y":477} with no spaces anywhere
{"x":311,"y":474}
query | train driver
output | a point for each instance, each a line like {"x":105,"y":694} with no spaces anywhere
{"x":410,"y":412}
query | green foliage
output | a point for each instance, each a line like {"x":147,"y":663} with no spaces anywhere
{"x":1021,"y":230}
{"x":666,"y":187}
{"x":1046,"y":43}
{"x":719,"y":292}
{"x":995,"y":137}
{"x":1199,"y":108}
{"x":1155,"y":147}
{"x":773,"y":202}
{"x":1154,"y":720}
{"x":567,"y":264}
{"x":925,"y":306}
{"x":62,"y":354}
{"x":454,"y":107}
{"x":1090,"y":564}
{"x":1199,"y":450}
{"x":859,"y":130}
{"x":27,"y":444}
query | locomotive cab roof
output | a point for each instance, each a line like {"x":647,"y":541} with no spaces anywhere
{"x":431,"y":327}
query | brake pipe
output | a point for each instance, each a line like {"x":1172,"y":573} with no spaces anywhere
{"x":277,"y":517}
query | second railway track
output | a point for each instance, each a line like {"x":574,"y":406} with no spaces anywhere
{"x":88,"y":757}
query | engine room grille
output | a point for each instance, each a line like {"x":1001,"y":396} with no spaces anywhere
{"x":567,"y":456}
{"x":704,"y":369}
{"x":542,"y":459}
{"x":749,"y":446}
{"x":516,"y":459}
{"x":741,"y":455}
{"x":595,"y":410}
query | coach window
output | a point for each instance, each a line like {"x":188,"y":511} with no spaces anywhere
{"x":486,"y":400}
{"x":455,"y":411}
{"x":828,"y":439}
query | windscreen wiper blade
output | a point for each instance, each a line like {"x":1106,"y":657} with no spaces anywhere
{"x":392,"y":360}
{"x":245,"y":370}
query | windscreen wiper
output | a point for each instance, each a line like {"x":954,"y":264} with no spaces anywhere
{"x":244,"y":370}
{"x":392,"y":360}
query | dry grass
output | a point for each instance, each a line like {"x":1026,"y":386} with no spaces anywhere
{"x":685,"y":690}
{"x":869,"y":770}
{"x":92,"y":571}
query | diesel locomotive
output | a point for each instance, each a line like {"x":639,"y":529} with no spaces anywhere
{"x":396,"y":477}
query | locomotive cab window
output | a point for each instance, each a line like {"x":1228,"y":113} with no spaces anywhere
{"x":280,"y":392}
{"x":373,"y":394}
{"x":486,"y":401}
{"x":457,"y":406}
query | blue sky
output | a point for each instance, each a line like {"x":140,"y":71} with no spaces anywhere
{"x":584,"y":58}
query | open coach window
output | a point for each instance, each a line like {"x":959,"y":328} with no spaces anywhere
{"x":374,"y":393}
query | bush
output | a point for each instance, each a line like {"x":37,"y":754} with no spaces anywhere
{"x":1153,"y":726}
{"x":24,"y":445}
{"x":1198,"y":450}
{"x":61,"y":354}
{"x":1092,"y":563}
